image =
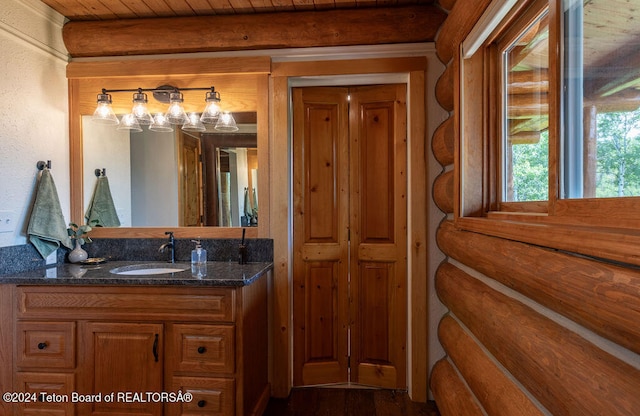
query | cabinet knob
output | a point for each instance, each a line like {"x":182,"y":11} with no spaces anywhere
{"x":42,"y":345}
{"x":202,"y":350}
{"x":202,"y":403}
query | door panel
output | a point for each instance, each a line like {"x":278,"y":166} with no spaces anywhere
{"x":191,"y":204}
{"x":350,"y":235}
{"x":378,"y":220}
{"x":320,"y":301}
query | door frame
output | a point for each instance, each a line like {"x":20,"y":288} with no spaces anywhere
{"x":413,"y":73}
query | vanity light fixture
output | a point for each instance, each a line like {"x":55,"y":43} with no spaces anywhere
{"x":212,"y":110}
{"x":104,"y":112}
{"x":139,"y":109}
{"x":160,"y":123}
{"x":175,"y":114}
{"x":226,"y":122}
{"x":130,"y":122}
{"x":193,"y":123}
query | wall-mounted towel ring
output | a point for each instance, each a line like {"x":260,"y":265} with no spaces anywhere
{"x":42,"y":164}
{"x":100,"y":172}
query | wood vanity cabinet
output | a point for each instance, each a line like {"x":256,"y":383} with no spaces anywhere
{"x":86,"y":342}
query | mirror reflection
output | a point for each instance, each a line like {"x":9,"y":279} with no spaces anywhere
{"x":174,"y":179}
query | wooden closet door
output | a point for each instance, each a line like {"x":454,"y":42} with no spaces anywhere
{"x":378,"y":222}
{"x":320,"y":215}
{"x":349,"y":239}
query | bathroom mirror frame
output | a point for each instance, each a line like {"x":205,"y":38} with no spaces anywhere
{"x":243,"y":83}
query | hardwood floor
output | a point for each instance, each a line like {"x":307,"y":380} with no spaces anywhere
{"x":313,"y":401}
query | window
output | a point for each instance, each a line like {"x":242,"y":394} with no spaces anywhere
{"x":550,"y":123}
{"x":525,"y":118}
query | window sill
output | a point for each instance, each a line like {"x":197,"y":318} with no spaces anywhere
{"x":613,"y":244}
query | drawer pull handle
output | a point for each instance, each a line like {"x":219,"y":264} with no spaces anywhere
{"x":155,"y":348}
{"x":202,"y":350}
{"x":42,"y":345}
{"x":202,"y":403}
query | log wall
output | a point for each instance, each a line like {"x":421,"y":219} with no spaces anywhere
{"x":530,"y":330}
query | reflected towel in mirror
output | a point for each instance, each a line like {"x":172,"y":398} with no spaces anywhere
{"x":47,"y":228}
{"x":101,"y":207}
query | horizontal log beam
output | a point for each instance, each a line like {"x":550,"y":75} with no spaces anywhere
{"x":528,"y":82}
{"x":527,"y":105}
{"x":451,"y":394}
{"x":524,"y":137}
{"x":495,"y":391}
{"x":443,"y":191}
{"x":443,"y":142}
{"x":599,"y":296}
{"x":565,"y":372}
{"x":447,"y":4}
{"x":462,"y":17}
{"x":444,"y":88}
{"x":365,"y":26}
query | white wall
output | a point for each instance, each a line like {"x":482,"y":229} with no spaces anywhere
{"x":33,"y":109}
{"x":154,"y":183}
{"x":106,"y":147}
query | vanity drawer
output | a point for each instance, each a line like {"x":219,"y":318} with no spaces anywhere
{"x":58,"y":388}
{"x":202,"y":348}
{"x":127,"y":303}
{"x":211,"y":396}
{"x":45,"y":344}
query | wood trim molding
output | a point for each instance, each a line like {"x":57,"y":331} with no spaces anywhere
{"x":161,"y":67}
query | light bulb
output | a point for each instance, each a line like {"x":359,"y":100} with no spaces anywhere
{"x":226,"y":122}
{"x":160,"y":124}
{"x":104,"y":112}
{"x":139,"y":109}
{"x":175,"y":113}
{"x":212,"y":110}
{"x":193,"y":123}
{"x":129,"y":122}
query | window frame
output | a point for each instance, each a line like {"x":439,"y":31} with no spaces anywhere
{"x":607,"y":228}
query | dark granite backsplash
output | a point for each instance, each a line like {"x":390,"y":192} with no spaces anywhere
{"x":146,"y":249}
{"x":16,"y":259}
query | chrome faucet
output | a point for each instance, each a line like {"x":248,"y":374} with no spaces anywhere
{"x":171,"y":246}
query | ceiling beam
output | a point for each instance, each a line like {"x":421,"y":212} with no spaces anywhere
{"x":344,"y":27}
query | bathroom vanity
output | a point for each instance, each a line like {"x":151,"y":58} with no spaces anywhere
{"x":84,"y":341}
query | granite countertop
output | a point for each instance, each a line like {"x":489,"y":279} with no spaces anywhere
{"x":215,"y":273}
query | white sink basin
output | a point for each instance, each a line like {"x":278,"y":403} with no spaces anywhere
{"x":149,"y":269}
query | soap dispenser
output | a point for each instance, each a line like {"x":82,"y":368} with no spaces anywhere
{"x":198,"y":260}
{"x":198,"y":254}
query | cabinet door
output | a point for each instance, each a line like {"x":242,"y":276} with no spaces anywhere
{"x":211,"y":397}
{"x":121,"y":358}
{"x":52,"y":389}
{"x":45,"y":344}
{"x":201,"y":348}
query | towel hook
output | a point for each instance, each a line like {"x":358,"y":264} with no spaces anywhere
{"x":99,"y":172}
{"x":42,"y":164}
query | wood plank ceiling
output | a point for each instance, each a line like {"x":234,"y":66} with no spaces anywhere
{"x":80,"y":10}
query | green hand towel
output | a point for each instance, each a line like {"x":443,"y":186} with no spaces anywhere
{"x":101,"y":207}
{"x":47,"y":228}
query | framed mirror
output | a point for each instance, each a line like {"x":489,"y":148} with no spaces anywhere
{"x":192,"y":183}
{"x":173,"y":178}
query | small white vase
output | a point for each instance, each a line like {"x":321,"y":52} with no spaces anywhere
{"x":77,"y":254}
